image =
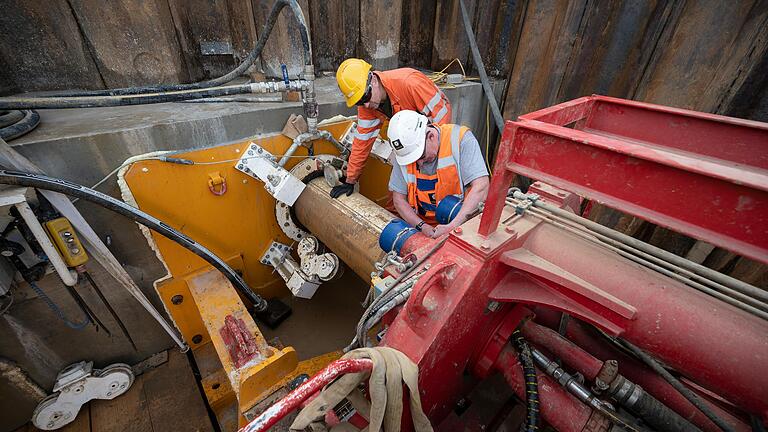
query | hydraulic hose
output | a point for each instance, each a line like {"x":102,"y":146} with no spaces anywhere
{"x":674,"y":382}
{"x":277,"y":7}
{"x":108,"y":101}
{"x":531,"y":383}
{"x":37,"y":181}
{"x":18,"y":123}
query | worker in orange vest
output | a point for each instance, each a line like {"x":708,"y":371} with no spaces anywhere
{"x":378,"y":96}
{"x":434,"y":161}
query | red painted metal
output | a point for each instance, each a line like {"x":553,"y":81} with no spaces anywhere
{"x":239,"y":341}
{"x":640,"y":374}
{"x":713,"y":348}
{"x":295,"y":398}
{"x":699,"y":174}
{"x":471,"y":292}
{"x":561,"y":410}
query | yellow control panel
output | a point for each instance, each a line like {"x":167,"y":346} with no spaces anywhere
{"x":63,"y":236}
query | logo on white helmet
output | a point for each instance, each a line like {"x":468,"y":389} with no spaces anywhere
{"x":396,"y":144}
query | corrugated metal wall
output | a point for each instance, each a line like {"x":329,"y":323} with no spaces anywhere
{"x":707,"y":55}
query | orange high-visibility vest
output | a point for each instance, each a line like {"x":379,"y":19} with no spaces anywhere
{"x":408,"y":89}
{"x":425,"y":191}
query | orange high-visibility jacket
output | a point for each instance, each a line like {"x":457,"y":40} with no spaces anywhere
{"x":426,"y":191}
{"x":408,"y":89}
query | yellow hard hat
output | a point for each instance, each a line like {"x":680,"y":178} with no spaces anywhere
{"x":352,"y":77}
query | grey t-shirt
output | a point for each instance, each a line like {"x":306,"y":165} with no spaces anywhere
{"x":472,"y":165}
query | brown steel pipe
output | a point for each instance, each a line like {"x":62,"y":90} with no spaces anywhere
{"x":349,"y":226}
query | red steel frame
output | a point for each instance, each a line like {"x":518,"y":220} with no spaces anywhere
{"x":471,"y":291}
{"x":700,"y":174}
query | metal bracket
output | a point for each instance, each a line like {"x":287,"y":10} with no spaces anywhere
{"x":302,"y":279}
{"x":276,"y":249}
{"x":262,"y":165}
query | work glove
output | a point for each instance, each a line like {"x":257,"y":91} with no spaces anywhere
{"x":343,"y":189}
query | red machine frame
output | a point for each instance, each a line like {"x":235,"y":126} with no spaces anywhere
{"x":495,"y":273}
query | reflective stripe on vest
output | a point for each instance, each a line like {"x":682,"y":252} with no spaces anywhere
{"x":426,"y":191}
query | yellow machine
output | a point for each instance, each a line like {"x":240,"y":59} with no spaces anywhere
{"x":234,"y":216}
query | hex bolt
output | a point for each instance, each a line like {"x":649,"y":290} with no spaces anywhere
{"x":177,"y":299}
{"x":485,"y":246}
{"x":457,"y":231}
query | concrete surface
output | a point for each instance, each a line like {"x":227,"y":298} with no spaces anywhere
{"x":83,"y":145}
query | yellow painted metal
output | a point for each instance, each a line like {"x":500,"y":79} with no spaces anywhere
{"x":239,"y":222}
{"x":217,"y":301}
{"x":237,"y":225}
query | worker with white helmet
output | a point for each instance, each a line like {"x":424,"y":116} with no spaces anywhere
{"x":378,"y":96}
{"x":434,"y":161}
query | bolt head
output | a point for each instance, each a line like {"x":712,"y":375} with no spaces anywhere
{"x":485,"y":246}
{"x":458,"y":231}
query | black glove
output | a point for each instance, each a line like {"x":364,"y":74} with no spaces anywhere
{"x":343,"y":189}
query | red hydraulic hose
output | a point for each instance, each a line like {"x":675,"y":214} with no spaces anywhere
{"x":561,"y":410}
{"x":294,"y":399}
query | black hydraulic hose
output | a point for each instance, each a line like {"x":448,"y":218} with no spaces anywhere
{"x":531,"y":383}
{"x":215,"y":82}
{"x":108,"y":101}
{"x":674,"y":382}
{"x":28,"y":121}
{"x":8,"y":118}
{"x":37,"y":181}
{"x":659,"y":416}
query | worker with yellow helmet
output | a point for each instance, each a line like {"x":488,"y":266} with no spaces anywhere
{"x":379,"y":95}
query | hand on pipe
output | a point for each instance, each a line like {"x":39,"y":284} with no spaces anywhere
{"x":441,"y":230}
{"x":343,"y":189}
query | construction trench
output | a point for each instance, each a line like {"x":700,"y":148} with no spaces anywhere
{"x":221,"y":287}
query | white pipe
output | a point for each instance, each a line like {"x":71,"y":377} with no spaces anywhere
{"x":69,"y":277}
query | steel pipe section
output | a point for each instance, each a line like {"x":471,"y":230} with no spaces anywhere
{"x":349,"y":226}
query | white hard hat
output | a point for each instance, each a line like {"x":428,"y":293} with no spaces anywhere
{"x":407,"y":134}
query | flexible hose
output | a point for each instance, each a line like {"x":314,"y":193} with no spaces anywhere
{"x":215,"y":82}
{"x":674,"y":382}
{"x":28,"y":121}
{"x":108,"y":101}
{"x":659,"y":416}
{"x":73,"y":189}
{"x":531,"y":383}
{"x":8,"y":118}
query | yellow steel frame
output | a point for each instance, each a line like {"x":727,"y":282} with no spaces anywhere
{"x":238,"y":226}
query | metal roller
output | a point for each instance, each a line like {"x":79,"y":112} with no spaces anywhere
{"x":349,"y":226}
